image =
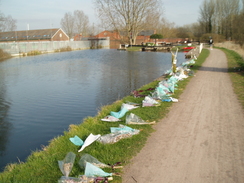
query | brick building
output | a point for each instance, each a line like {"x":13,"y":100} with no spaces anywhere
{"x":34,"y":35}
{"x":117,"y":38}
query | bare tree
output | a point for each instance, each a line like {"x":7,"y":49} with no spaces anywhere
{"x":67,"y":24}
{"x":227,"y":10}
{"x":76,"y":23}
{"x":81,"y":23}
{"x":238,"y":29}
{"x":166,"y":28}
{"x":1,"y":21}
{"x":242,"y":6}
{"x":197,"y":31}
{"x":184,"y":32}
{"x":207,"y":11}
{"x":7,"y":23}
{"x":217,"y":16}
{"x":128,"y":16}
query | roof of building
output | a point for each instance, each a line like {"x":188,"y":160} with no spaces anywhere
{"x":142,"y":33}
{"x":39,"y":34}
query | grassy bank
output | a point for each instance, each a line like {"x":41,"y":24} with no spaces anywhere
{"x":4,"y":55}
{"x":42,"y":165}
{"x":236,"y":71}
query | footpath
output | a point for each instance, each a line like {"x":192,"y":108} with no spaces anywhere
{"x":202,"y":138}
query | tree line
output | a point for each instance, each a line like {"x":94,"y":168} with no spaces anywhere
{"x":223,"y":18}
{"x":76,"y":23}
{"x":220,"y":19}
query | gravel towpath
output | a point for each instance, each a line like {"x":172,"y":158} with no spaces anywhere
{"x":202,"y":138}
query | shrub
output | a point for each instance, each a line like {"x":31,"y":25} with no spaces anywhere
{"x":4,"y":55}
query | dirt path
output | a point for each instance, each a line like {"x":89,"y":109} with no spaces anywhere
{"x":202,"y":138}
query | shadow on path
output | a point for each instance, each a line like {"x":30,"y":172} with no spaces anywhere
{"x":213,"y":69}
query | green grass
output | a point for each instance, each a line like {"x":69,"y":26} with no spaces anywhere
{"x":236,"y":71}
{"x":42,"y":165}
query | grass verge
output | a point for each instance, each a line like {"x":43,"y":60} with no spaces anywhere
{"x":236,"y":71}
{"x":42,"y":165}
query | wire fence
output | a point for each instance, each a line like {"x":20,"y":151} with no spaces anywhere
{"x":15,"y":48}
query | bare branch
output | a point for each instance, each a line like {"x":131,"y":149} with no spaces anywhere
{"x":129,"y":16}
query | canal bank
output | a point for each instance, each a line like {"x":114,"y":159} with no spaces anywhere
{"x":59,"y":146}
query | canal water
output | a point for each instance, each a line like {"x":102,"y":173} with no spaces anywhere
{"x":40,"y":96}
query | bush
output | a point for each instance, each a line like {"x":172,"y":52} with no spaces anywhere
{"x":149,"y":44}
{"x":4,"y":55}
{"x":34,"y":52}
{"x":68,"y":48}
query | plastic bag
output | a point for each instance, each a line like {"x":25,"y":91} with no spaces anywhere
{"x":122,"y":129}
{"x":93,"y":171}
{"x":89,"y":140}
{"x":67,"y":164}
{"x":123,"y":110}
{"x":88,"y":158}
{"x":174,"y":99}
{"x":110,"y":119}
{"x":171,"y":87}
{"x":172,"y":79}
{"x":134,"y":119}
{"x":129,"y":106}
{"x":76,"y":140}
{"x":119,"y":114}
{"x":164,"y":88}
{"x":112,"y":138}
{"x":119,"y":133}
{"x":149,"y":100}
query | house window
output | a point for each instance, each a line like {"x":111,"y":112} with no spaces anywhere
{"x":60,"y":35}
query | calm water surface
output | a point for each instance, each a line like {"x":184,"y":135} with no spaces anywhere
{"x":41,"y":96}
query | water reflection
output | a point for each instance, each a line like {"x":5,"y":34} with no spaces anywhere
{"x":5,"y":125}
{"x":41,"y":96}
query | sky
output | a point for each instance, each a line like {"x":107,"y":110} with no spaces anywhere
{"x":46,"y":14}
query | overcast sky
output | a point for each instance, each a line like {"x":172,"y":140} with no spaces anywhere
{"x":48,"y":13}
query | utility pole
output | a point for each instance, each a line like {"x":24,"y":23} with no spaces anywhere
{"x":27,"y":32}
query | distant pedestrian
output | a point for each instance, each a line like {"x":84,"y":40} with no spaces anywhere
{"x":211,"y":43}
